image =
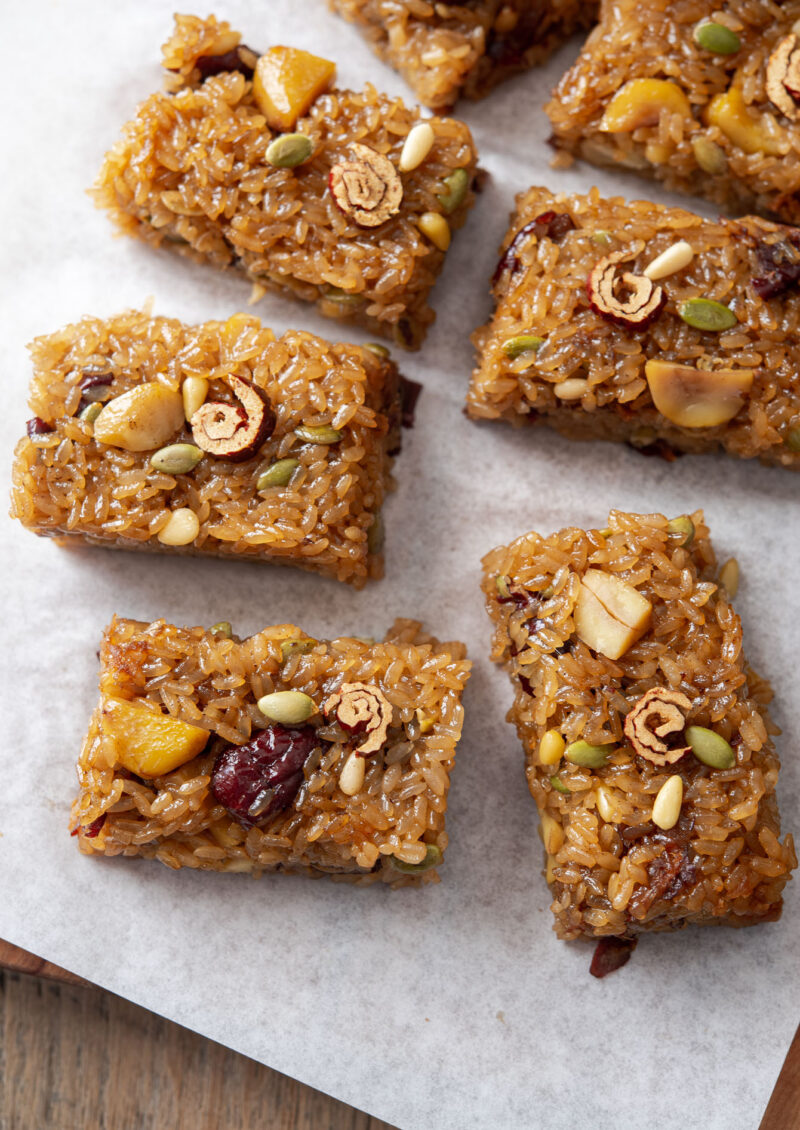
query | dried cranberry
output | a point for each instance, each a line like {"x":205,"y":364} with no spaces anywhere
{"x":550,"y":225}
{"x":780,"y":264}
{"x":94,"y":386}
{"x":611,"y":954}
{"x":38,"y":427}
{"x":409,"y":395}
{"x":256,"y":780}
{"x":237,"y":59}
{"x":93,"y":829}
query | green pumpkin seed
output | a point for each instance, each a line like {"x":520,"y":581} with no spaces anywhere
{"x":602,"y":238}
{"x":559,"y":786}
{"x":91,"y":412}
{"x":683,"y":527}
{"x":433,"y":857}
{"x":323,"y":434}
{"x":457,"y":184}
{"x":523,"y":343}
{"x":288,"y":707}
{"x":176,"y":459}
{"x":289,"y":150}
{"x":343,"y":297}
{"x":717,"y":38}
{"x":709,"y":156}
{"x":378,"y":349}
{"x":706,"y":314}
{"x":376,"y":535}
{"x":792,"y":440}
{"x":501,"y":583}
{"x":588,"y":756}
{"x":296,"y":647}
{"x":710,"y":748}
{"x":223,"y":629}
{"x":277,"y":474}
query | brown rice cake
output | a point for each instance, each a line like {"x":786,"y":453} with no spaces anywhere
{"x":633,"y":322}
{"x":445,"y":51}
{"x":328,"y":195}
{"x":274,"y":753}
{"x":210,"y":439}
{"x":647,"y":741}
{"x":700,"y":97}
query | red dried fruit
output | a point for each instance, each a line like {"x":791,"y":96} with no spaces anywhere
{"x":38,"y":427}
{"x":780,"y":265}
{"x":549,"y":225}
{"x":611,"y":954}
{"x":239,"y":58}
{"x":234,"y":431}
{"x":645,"y":299}
{"x":90,"y":830}
{"x":256,"y":780}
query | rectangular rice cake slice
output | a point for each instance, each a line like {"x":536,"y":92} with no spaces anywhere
{"x":608,"y":635}
{"x":702,"y":355}
{"x":258,"y":164}
{"x":446,"y":51}
{"x":274,"y":753}
{"x":300,"y":481}
{"x":693,"y":95}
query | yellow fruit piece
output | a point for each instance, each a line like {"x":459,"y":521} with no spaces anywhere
{"x":641,"y":102}
{"x":147,"y":743}
{"x":142,"y":419}
{"x":749,"y":132}
{"x":697,"y":398}
{"x":286,"y":82}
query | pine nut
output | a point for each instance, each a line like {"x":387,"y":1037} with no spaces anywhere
{"x":552,"y":834}
{"x":674,"y":259}
{"x":183,"y":527}
{"x":571,"y":389}
{"x":435,"y":227}
{"x":667,"y":805}
{"x":351,"y":777}
{"x":551,"y":748}
{"x":416,"y":146}
{"x":194,"y":391}
{"x":729,"y":577}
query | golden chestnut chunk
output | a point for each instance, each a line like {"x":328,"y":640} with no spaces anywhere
{"x":697,"y":398}
{"x":641,"y":102}
{"x":147,"y":743}
{"x":141,"y":419}
{"x":749,"y":132}
{"x":286,"y":82}
{"x":610,"y":614}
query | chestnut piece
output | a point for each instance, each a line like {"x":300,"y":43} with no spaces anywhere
{"x":234,"y":431}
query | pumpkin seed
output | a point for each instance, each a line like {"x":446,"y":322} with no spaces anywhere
{"x":457,"y":184}
{"x":433,"y":857}
{"x":602,"y":238}
{"x":376,"y":535}
{"x":717,"y":38}
{"x":559,"y":786}
{"x":288,"y":707}
{"x":524,"y":343}
{"x":710,"y":747}
{"x":792,"y":440}
{"x":706,"y":314}
{"x":501,"y":584}
{"x":378,"y":349}
{"x":343,"y":297}
{"x":588,"y":756}
{"x":289,"y":150}
{"x":683,"y":527}
{"x":323,"y":434}
{"x":277,"y":474}
{"x":90,"y":413}
{"x":176,"y":458}
{"x":296,"y":647}
{"x":222,"y":629}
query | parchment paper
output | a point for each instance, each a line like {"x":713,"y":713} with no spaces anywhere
{"x":451,"y":1007}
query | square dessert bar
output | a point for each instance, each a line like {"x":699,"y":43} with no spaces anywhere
{"x":445,"y":51}
{"x":339,"y":198}
{"x":647,"y":742}
{"x":211,"y":439}
{"x":634,"y":322}
{"x":279,"y":752}
{"x":702,"y":97}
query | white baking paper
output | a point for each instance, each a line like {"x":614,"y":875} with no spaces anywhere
{"x":449,"y":1008}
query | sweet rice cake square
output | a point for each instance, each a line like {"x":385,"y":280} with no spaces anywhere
{"x":648,"y":745}
{"x":279,"y":752}
{"x":647,"y":325}
{"x":447,"y":51}
{"x":704,"y":98}
{"x":343,"y":199}
{"x":210,"y":439}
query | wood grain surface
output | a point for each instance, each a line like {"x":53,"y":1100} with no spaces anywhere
{"x":74,"y":1057}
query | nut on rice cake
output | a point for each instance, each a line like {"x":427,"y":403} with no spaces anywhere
{"x":647,"y":741}
{"x":278,"y":752}
{"x":210,"y":439}
{"x":446,"y":51}
{"x":704,"y":98}
{"x":257,"y":163}
{"x":647,"y":325}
